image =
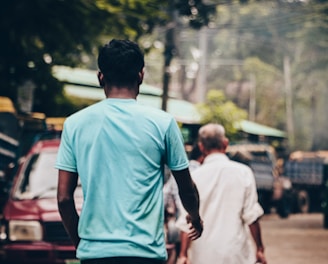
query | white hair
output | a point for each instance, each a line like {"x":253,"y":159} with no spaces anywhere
{"x":212,"y":136}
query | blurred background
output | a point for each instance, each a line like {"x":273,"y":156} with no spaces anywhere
{"x":258,"y":67}
{"x":266,"y":58}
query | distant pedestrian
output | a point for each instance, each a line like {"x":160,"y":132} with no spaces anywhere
{"x":173,"y":206}
{"x":228,"y":205}
{"x":117,"y":148}
{"x":196,"y":157}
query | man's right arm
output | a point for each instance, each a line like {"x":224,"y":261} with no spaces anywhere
{"x":256,"y":234}
{"x":67,"y":182}
{"x":190,"y":200}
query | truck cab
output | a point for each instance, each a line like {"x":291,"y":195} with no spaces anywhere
{"x":305,"y":169}
{"x":272,"y":189}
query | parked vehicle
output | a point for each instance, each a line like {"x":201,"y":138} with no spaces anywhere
{"x":31,"y":229}
{"x":273,"y":190}
{"x":306,"y":172}
{"x":325,"y":194}
{"x":18,"y":132}
{"x":9,"y":144}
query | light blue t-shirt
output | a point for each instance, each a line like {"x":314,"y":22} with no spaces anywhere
{"x":118,"y":148}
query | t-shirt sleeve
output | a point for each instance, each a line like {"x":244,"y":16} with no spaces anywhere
{"x":252,"y":210}
{"x":65,"y":157}
{"x":176,"y":156}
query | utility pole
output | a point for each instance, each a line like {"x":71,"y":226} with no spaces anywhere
{"x":289,"y":102}
{"x":170,"y":49}
{"x":202,"y":73}
{"x":252,"y":98}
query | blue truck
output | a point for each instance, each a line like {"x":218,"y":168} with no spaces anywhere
{"x":273,"y":189}
{"x":306,"y":171}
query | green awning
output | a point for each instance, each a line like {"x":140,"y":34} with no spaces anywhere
{"x":88,"y":78}
{"x":84,"y":84}
{"x":257,"y":129}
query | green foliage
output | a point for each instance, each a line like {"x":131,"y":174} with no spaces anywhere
{"x":268,"y":87}
{"x":37,"y":34}
{"x":197,"y":12}
{"x":260,"y":34}
{"x":217,"y":109}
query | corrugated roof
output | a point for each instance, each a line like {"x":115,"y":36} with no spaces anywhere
{"x":258,"y":129}
{"x":88,"y":78}
{"x":84,"y":83}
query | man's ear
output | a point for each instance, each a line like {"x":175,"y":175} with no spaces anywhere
{"x":225,"y":143}
{"x":201,"y":147}
{"x":141,"y":76}
{"x":101,"y":79}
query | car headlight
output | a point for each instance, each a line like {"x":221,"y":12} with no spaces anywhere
{"x":3,"y":234}
{"x":25,"y":230}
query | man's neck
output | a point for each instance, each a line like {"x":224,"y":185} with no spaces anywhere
{"x":214,"y":151}
{"x":122,"y":92}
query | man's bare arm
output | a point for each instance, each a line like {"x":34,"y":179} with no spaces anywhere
{"x":256,"y":234}
{"x":190,"y":200}
{"x":67,"y":182}
{"x":184,"y":246}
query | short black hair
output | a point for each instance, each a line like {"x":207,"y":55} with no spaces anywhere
{"x":121,"y":61}
{"x":195,"y":153}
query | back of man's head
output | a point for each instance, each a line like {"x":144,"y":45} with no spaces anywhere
{"x":121,"y":62}
{"x":212,"y":137}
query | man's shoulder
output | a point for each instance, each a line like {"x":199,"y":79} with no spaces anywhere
{"x":239,"y":165}
{"x":83,"y":114}
{"x":155,"y":115}
{"x":153,"y":111}
{"x":226,"y":163}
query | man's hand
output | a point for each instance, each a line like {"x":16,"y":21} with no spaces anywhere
{"x":183,"y":260}
{"x":260,"y":258}
{"x":196,"y":228}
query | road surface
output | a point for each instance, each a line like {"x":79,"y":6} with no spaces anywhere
{"x":299,"y":239}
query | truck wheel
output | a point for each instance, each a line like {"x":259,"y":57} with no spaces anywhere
{"x":325,"y":220}
{"x":303,"y":201}
{"x":284,"y":206}
{"x":264,"y":202}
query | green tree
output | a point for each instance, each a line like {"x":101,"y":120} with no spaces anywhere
{"x":276,"y":32}
{"x":268,"y":83}
{"x":218,"y":109}
{"x":38,"y":34}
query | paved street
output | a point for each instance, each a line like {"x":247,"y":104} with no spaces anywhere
{"x":300,"y":239}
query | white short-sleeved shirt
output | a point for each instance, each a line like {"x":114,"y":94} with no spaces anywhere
{"x":228,"y":204}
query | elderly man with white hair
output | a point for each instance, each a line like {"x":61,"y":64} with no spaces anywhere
{"x":228,"y":206}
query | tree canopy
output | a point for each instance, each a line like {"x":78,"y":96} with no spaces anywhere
{"x":276,"y":49}
{"x":217,"y":109}
{"x":270,"y":58}
{"x":38,"y":34}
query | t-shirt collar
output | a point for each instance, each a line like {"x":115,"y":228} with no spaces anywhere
{"x":215,"y":157}
{"x":121,"y":100}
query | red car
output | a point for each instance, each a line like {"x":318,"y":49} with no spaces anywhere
{"x":31,"y":230}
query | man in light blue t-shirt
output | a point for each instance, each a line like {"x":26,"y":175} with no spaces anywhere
{"x":118,"y":149}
